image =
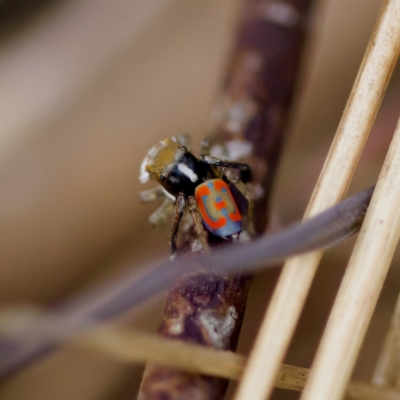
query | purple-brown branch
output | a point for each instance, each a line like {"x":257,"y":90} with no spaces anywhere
{"x":249,"y":123}
{"x":259,"y":87}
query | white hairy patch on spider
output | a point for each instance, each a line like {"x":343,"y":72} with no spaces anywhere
{"x":188,"y":172}
{"x":219,"y":329}
{"x":144,"y":175}
{"x":279,"y":12}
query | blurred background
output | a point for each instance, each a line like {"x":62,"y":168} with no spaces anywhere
{"x":86,"y":87}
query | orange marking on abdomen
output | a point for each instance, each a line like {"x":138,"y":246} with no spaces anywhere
{"x":203,"y":190}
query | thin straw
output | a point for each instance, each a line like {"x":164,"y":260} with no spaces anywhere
{"x":131,"y":346}
{"x":293,"y":286}
{"x":387,"y":369}
{"x":361,"y":285}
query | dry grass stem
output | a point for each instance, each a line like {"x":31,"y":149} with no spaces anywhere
{"x":361,"y":285}
{"x":133,"y":346}
{"x":290,"y":294}
{"x":365,"y":391}
{"x":387,"y":369}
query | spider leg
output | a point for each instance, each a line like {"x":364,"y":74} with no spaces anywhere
{"x":185,"y":140}
{"x":162,"y":213}
{"x":153,"y":194}
{"x":198,"y":223}
{"x":179,"y":211}
{"x":205,"y":147}
{"x":244,"y":169}
{"x":247,"y":194}
{"x":166,"y":208}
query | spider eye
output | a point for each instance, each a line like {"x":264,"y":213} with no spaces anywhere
{"x":184,"y":148}
{"x":163,"y":177}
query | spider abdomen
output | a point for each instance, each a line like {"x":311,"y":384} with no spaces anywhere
{"x":217,"y":208}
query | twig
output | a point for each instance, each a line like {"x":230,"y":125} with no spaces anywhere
{"x":248,"y":126}
{"x":365,"y":98}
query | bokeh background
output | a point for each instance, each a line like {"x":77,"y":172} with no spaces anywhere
{"x":86,"y":87}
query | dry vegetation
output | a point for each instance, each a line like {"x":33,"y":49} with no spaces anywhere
{"x":85,"y":89}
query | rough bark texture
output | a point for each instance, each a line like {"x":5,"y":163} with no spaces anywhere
{"x":259,"y":87}
{"x":202,"y":308}
{"x":248,"y":125}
